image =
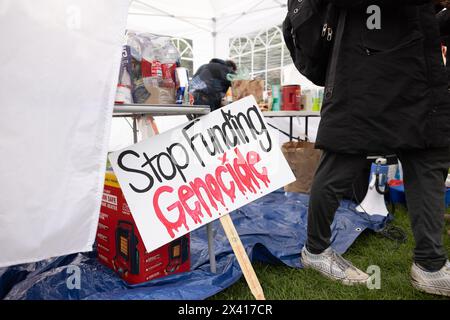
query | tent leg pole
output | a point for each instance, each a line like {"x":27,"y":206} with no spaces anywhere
{"x":306,"y":128}
{"x":214,"y":34}
{"x":135,"y":130}
{"x":211,"y":249}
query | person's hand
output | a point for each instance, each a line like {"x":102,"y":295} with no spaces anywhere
{"x":444,"y":54}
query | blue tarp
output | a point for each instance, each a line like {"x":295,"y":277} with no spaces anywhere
{"x":272,"y":229}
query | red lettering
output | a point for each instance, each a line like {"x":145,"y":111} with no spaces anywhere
{"x":236,"y":178}
{"x":230,"y":192}
{"x":244,"y":172}
{"x":200,"y":184}
{"x":252,"y":159}
{"x":215,"y":190}
{"x":170,"y":226}
{"x":184,"y":194}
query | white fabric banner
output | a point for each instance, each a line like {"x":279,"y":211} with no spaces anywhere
{"x":58,"y":72}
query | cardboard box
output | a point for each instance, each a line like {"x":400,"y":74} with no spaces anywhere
{"x":120,"y":247}
{"x":160,"y":95}
{"x":244,"y":88}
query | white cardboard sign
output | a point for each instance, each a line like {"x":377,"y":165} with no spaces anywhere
{"x":187,"y":177}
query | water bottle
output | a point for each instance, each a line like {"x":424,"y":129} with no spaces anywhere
{"x":150,"y":64}
{"x":169,"y":61}
{"x":182,"y":84}
{"x":276,"y":98}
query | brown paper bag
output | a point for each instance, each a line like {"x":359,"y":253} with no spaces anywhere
{"x":303,"y":160}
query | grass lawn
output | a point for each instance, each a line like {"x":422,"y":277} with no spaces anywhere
{"x":283,"y":283}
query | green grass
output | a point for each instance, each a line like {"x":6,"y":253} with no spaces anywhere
{"x":283,"y":283}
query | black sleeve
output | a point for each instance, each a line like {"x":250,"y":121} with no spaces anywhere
{"x":199,"y":71}
{"x":443,"y":18}
{"x":358,"y":3}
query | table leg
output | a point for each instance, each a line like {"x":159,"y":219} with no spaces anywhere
{"x":135,"y":130}
{"x":306,"y":128}
{"x":211,"y":250}
{"x":291,"y":125}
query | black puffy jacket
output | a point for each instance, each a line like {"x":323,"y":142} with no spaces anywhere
{"x":390,"y":87}
{"x":210,"y":84}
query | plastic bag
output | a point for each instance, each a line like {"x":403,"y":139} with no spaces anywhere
{"x":154,"y":60}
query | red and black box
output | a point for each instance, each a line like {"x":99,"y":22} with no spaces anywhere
{"x":120,"y":246}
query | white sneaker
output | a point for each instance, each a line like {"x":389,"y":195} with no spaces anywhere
{"x":432,"y":282}
{"x":333,"y":266}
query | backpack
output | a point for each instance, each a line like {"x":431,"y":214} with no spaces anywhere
{"x":309,"y":32}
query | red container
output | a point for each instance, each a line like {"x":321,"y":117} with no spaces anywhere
{"x":292,"y":98}
{"x":120,"y":246}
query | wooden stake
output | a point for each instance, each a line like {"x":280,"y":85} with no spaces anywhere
{"x":232,"y":235}
{"x":242,"y":257}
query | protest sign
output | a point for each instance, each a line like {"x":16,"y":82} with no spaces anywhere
{"x":189,"y":176}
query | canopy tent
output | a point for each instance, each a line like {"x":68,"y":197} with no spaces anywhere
{"x":208,"y":23}
{"x":54,"y":137}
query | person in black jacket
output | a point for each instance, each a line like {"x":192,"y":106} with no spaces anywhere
{"x":385,"y":93}
{"x":444,"y":25}
{"x":210,"y":84}
{"x":443,"y":18}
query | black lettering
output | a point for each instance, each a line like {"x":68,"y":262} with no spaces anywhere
{"x":212,"y":133}
{"x":211,"y":152}
{"x":180,"y":167}
{"x":236,"y":127}
{"x":125,"y":168}
{"x":255,"y":110}
{"x":149,"y":163}
{"x":190,"y":140}
{"x":230,"y":142}
{"x":174,"y":170}
{"x":241,"y":116}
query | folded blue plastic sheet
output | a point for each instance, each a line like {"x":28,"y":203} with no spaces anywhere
{"x":272,"y":229}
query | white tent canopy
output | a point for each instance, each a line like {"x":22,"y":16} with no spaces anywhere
{"x":208,"y":23}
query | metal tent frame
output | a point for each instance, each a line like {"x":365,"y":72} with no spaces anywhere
{"x":215,"y":27}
